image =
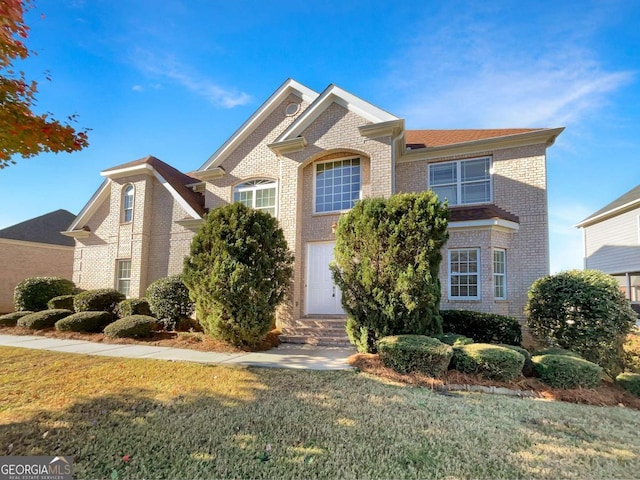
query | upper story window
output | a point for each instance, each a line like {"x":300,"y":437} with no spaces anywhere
{"x":462,"y":182}
{"x":257,"y":194}
{"x":337,"y":185}
{"x":127,"y":204}
{"x":123,"y":276}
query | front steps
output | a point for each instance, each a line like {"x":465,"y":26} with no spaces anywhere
{"x":327,"y":331}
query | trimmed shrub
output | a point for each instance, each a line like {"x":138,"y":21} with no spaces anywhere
{"x":489,"y":361}
{"x":34,"y":293}
{"x":583,"y":311}
{"x":238,"y":272}
{"x":134,"y":326}
{"x":43,"y":319}
{"x":133,"y":306}
{"x":85,"y":322}
{"x":169,"y":300}
{"x":454,"y":339}
{"x":61,"y":301}
{"x":562,"y":371}
{"x":387,"y":257}
{"x":100,"y":300}
{"x":631,"y":349}
{"x":527,"y":369}
{"x":630,"y":382}
{"x":482,"y":327}
{"x":188,"y":325}
{"x":419,"y":353}
{"x":11,"y":319}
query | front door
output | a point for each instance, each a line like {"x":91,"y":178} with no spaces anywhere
{"x":323,"y":296}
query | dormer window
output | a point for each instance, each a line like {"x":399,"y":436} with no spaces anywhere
{"x":257,"y":194}
{"x":127,"y":204}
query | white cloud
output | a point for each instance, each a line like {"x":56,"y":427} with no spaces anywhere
{"x":170,"y":69}
{"x":472,"y":71}
{"x":137,"y":88}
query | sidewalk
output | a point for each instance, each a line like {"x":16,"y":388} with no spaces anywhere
{"x":308,"y":357}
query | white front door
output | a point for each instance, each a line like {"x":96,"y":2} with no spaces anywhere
{"x":323,"y":296}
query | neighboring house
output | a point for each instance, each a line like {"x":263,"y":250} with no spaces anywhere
{"x":305,"y":157}
{"x":612,"y":242}
{"x":34,"y":248}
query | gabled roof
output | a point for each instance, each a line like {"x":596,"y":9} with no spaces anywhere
{"x":290,"y":86}
{"x":172,"y":179}
{"x":439,"y":138}
{"x":332,"y":94}
{"x":43,"y":229}
{"x":629,"y":199}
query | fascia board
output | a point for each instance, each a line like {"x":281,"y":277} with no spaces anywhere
{"x":143,"y":168}
{"x":498,"y":223}
{"x":290,"y":86}
{"x":181,"y":201}
{"x":608,"y":214}
{"x":330,"y":95}
{"x":546,"y":136}
{"x":92,"y":205}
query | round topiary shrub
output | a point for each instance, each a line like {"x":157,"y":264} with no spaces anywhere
{"x":43,"y":319}
{"x":583,"y":311}
{"x":419,"y":353}
{"x":454,"y":339}
{"x":85,"y":322}
{"x":239,"y":270}
{"x":169,"y":300}
{"x":34,"y":293}
{"x":527,"y":368}
{"x":490,"y":361}
{"x":387,"y":258}
{"x":135,"y":326}
{"x":11,"y":319}
{"x":61,"y":301}
{"x":100,"y":300}
{"x":133,"y":306}
{"x":562,"y":371}
{"x":630,"y":382}
{"x":482,"y":327}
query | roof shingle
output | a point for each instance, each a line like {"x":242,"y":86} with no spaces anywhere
{"x":43,"y":229}
{"x":439,"y":138}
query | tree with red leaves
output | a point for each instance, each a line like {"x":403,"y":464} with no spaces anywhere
{"x":22,"y":132}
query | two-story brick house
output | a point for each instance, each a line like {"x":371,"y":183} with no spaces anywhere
{"x":305,"y":157}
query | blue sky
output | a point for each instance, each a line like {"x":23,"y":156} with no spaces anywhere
{"x":176,"y":78}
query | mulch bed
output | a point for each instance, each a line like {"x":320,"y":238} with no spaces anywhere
{"x":607,"y":394}
{"x":191,"y":340}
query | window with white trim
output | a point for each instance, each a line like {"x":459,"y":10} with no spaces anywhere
{"x":462,"y":182}
{"x":464,"y":274}
{"x":257,"y":194}
{"x":500,"y":274}
{"x":337,"y":185}
{"x":127,"y":204}
{"x":123,"y":276}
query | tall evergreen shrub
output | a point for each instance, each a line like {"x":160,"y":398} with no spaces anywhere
{"x":238,"y":271}
{"x":387,"y":258}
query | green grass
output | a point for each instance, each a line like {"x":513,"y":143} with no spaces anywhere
{"x":180,"y":420}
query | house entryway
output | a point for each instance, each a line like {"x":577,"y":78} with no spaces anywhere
{"x":323,"y":297}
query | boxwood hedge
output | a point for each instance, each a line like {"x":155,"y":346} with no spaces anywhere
{"x":408,"y":353}
{"x":33,"y":293}
{"x":490,"y":361}
{"x":134,"y":326}
{"x":100,"y":300}
{"x":11,"y":319}
{"x":482,"y":327}
{"x":563,"y":371}
{"x":85,"y":322}
{"x":43,"y":319}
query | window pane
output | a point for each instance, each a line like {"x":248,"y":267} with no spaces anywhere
{"x":447,"y":193}
{"x":476,"y":192}
{"x":123,"y":273}
{"x":442,"y":174}
{"x":337,"y":185}
{"x":474,"y":170}
{"x":463,"y":273}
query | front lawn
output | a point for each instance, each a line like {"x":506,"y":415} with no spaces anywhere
{"x":153,"y":419}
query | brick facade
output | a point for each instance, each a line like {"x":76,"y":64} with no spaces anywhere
{"x":157,"y":244}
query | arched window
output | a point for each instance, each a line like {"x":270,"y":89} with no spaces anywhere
{"x":257,"y":194}
{"x":127,"y":204}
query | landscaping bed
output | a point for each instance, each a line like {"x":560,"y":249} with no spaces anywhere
{"x":607,"y":394}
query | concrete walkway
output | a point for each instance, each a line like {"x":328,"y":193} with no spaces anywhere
{"x":285,"y":356}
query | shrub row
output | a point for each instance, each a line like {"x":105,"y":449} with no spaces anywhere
{"x":630,"y":382}
{"x":34,"y":293}
{"x":134,"y":326}
{"x":482,"y":327}
{"x":565,"y":371}
{"x":11,"y":319}
{"x":100,"y":300}
{"x":43,"y":319}
{"x":490,"y":361}
{"x":133,"y":306}
{"x":61,"y":301}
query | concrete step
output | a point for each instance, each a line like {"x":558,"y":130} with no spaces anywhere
{"x":319,"y":323}
{"x":327,"y":341}
{"x":315,"y":332}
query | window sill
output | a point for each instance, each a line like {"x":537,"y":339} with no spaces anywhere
{"x":326,"y":214}
{"x":464,"y":299}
